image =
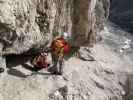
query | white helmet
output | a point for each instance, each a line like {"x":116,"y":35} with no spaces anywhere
{"x":66,"y":35}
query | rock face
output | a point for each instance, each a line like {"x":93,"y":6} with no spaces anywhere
{"x":26,"y":24}
{"x":109,"y":77}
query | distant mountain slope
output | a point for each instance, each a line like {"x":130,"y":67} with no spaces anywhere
{"x":121,"y":12}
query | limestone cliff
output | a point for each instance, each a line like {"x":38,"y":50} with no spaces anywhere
{"x":26,"y":24}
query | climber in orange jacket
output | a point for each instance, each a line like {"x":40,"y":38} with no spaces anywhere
{"x":59,"y":48}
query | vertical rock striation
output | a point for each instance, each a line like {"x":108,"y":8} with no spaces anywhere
{"x":26,"y":24}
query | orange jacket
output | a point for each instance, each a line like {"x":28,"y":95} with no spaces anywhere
{"x":60,"y":46}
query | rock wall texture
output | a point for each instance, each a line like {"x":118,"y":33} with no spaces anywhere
{"x":26,"y":24}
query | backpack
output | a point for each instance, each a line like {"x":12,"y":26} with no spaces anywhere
{"x":40,"y":61}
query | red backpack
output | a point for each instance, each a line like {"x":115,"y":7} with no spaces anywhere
{"x":40,"y":61}
{"x":66,"y":48}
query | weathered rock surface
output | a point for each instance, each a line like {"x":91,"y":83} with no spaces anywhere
{"x":84,"y":81}
{"x":85,"y":54}
{"x":109,"y":77}
{"x":26,"y":24}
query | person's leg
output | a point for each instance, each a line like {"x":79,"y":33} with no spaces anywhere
{"x":54,"y":69}
{"x":59,"y":66}
{"x":61,"y":63}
